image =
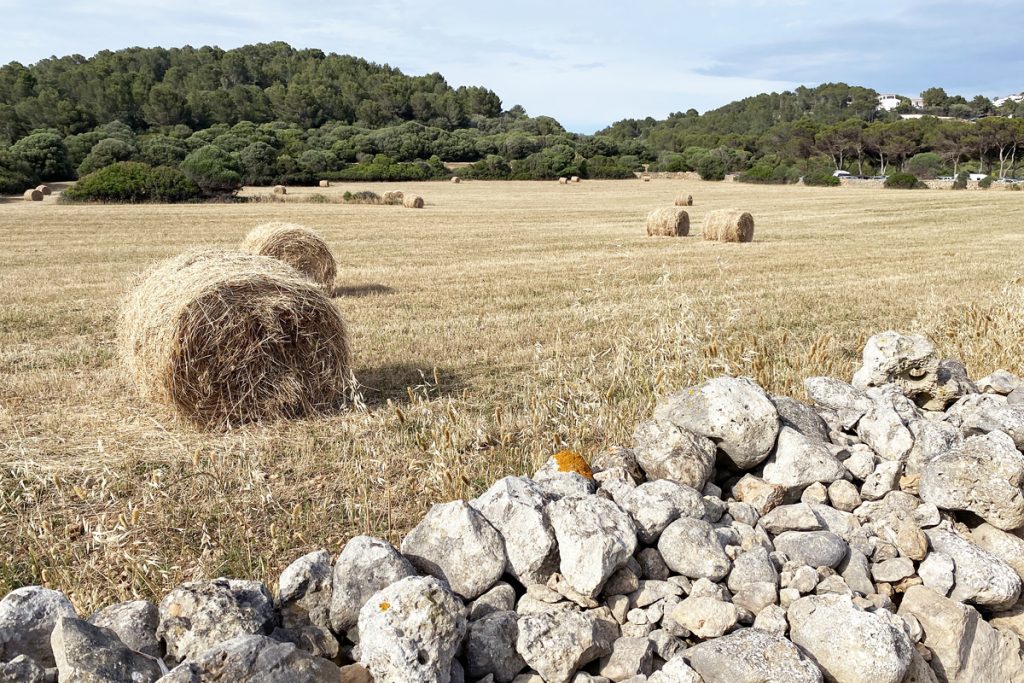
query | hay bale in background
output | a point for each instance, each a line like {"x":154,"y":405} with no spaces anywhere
{"x":298,"y":246}
{"x":456,"y":180}
{"x":729,"y":225}
{"x":33,"y":195}
{"x":392,"y":197}
{"x":45,"y":189}
{"x":413,"y":201}
{"x":280,"y":189}
{"x":646,"y":178}
{"x":574,"y":179}
{"x":563,"y":181}
{"x":670,"y":221}
{"x":325,"y":183}
{"x":684,"y":201}
{"x":225,"y":338}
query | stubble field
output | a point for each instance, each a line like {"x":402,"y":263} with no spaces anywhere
{"x":504,"y":321}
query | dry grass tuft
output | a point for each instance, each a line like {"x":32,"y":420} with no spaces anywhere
{"x":226,"y":338}
{"x":729,"y":225}
{"x":298,"y":246}
{"x":670,"y":221}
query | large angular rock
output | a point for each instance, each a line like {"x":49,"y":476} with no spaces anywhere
{"x":411,"y":631}
{"x":135,"y":623}
{"x":1000,"y":382}
{"x":752,"y":567}
{"x":676,"y":670}
{"x":931,"y":439}
{"x":812,"y":548}
{"x":706,"y":617}
{"x":667,"y":451}
{"x":798,"y":462}
{"x":21,"y":669}
{"x":629,"y":657}
{"x":758,"y":493}
{"x":909,"y":362}
{"x":565,"y":474}
{"x":515,"y":506}
{"x":984,"y":413}
{"x":91,"y":654}
{"x":199,"y":614}
{"x":27,"y":617}
{"x":656,"y":504}
{"x":255,"y":659}
{"x":847,"y":403}
{"x":1006,"y":546}
{"x":795,"y":517}
{"x":692,"y":548}
{"x":752,"y":656}
{"x":455,"y":543}
{"x":801,"y":417}
{"x":365,"y":566}
{"x":984,"y":476}
{"x":304,"y":603}
{"x":883,"y":427}
{"x":557,"y":644}
{"x":981,"y":577}
{"x":847,"y":643}
{"x":734,"y":412}
{"x":595,"y":538}
{"x":490,"y":647}
{"x":964,"y":647}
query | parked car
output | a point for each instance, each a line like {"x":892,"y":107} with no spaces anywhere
{"x":841,"y":174}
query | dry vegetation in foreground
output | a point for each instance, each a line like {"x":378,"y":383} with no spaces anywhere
{"x":502,"y":322}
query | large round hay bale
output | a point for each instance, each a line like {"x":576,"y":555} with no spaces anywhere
{"x":684,"y":200}
{"x":392,"y":197}
{"x":574,"y":179}
{"x":280,"y":189}
{"x":298,"y":246}
{"x":413,"y":201}
{"x":456,"y":180}
{"x":45,"y":189}
{"x":325,"y":183}
{"x":729,"y":225}
{"x":33,"y":195}
{"x":670,"y":221}
{"x":563,"y":181}
{"x":225,"y":338}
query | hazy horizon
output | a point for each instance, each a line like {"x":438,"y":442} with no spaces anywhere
{"x":586,"y":67}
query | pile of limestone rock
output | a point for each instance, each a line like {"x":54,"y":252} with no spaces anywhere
{"x":874,"y":535}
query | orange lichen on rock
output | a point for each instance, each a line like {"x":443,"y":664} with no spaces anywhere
{"x":571,"y":461}
{"x":385,"y":606}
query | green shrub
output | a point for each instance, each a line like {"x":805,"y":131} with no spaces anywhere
{"x":162,"y":150}
{"x":925,"y":165}
{"x":821,"y":179}
{"x":133,"y":182}
{"x":961,"y":181}
{"x":710,"y":167}
{"x":104,"y":153}
{"x":1015,"y":187}
{"x":986,"y":182}
{"x":215,"y":171}
{"x":493,"y":167}
{"x":758,"y":173}
{"x":46,"y":154}
{"x":903,"y":181}
{"x":16,"y":175}
{"x":363,"y":197}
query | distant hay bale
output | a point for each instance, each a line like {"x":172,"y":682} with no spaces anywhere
{"x":729,"y":225}
{"x":574,"y":179}
{"x":670,"y":221}
{"x":646,"y":178}
{"x":33,"y":195}
{"x":325,"y":183}
{"x":456,"y":180}
{"x":563,"y":181}
{"x":45,"y":189}
{"x":392,"y":197}
{"x":225,"y":338}
{"x":413,"y":201}
{"x":684,"y":201}
{"x":280,"y":189}
{"x":298,"y":246}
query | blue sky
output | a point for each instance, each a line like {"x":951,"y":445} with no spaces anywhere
{"x":585,"y":63}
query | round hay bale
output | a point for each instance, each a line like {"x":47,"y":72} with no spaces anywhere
{"x":45,"y":189}
{"x":225,"y":338}
{"x":325,"y":183}
{"x":684,"y":200}
{"x":729,"y":225}
{"x":413,"y":201}
{"x":563,"y":181}
{"x":670,"y":221}
{"x":574,"y":179}
{"x":33,"y":195}
{"x":280,"y":189}
{"x":646,"y":178}
{"x":392,"y":197}
{"x":456,"y":180}
{"x":298,"y":246}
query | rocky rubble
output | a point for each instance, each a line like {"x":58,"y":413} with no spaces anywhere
{"x":875,"y":534}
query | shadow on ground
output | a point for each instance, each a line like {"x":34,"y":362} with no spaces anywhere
{"x":363,"y":290}
{"x":378,"y":384}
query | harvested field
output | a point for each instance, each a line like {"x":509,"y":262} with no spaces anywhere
{"x":509,"y":320}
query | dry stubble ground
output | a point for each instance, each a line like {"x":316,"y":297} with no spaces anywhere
{"x":503,"y":321}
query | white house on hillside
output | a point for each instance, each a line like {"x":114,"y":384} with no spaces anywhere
{"x":889,"y":101}
{"x":1000,"y":101}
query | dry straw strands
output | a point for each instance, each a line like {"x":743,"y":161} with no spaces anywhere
{"x":456,"y":180}
{"x":226,"y":338}
{"x":670,"y":221}
{"x":325,"y":183}
{"x":45,"y":189}
{"x":33,"y":195}
{"x":684,"y":201}
{"x":280,"y":189}
{"x":298,"y":246}
{"x":729,"y":225}
{"x":413,"y":201}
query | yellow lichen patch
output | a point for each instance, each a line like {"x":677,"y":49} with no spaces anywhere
{"x":571,"y":461}
{"x":385,"y":606}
